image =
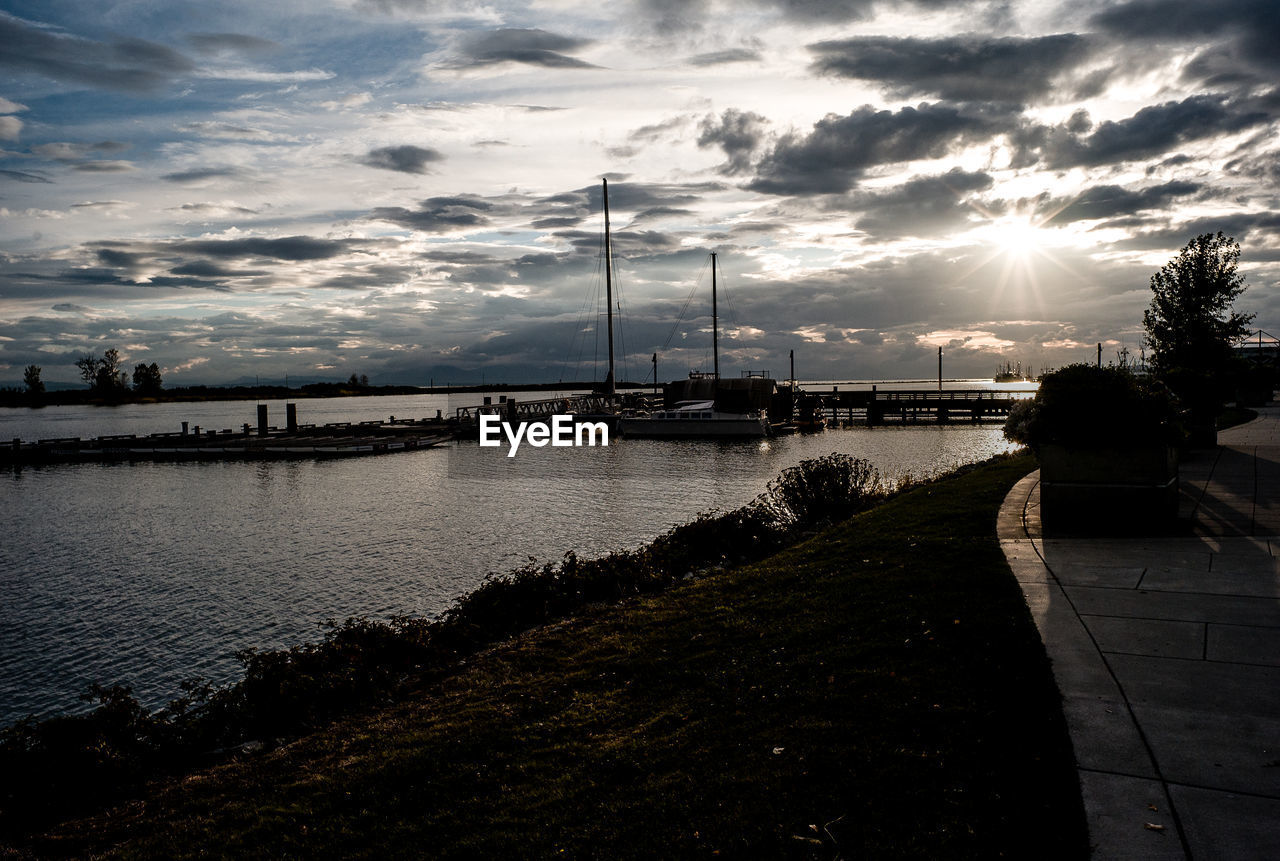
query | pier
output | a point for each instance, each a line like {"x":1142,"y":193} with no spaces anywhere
{"x":338,"y":439}
{"x":509,"y":409}
{"x":883,"y":406}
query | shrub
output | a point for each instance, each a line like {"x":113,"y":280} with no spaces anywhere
{"x":824,"y":490}
{"x":1086,"y":406}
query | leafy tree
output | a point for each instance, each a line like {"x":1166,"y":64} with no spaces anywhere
{"x":146,"y":378}
{"x":31,"y":376}
{"x":1190,"y":324}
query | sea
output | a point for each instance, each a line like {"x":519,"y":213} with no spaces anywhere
{"x":146,"y":574}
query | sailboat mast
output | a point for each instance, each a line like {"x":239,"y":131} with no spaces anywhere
{"x":608,"y":286}
{"x":715,"y":321}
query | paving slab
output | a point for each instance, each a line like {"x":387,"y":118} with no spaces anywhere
{"x":1129,"y":818}
{"x":1162,"y":638}
{"x":1223,"y":826}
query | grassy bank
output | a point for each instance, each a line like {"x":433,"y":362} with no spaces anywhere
{"x":878,"y":690}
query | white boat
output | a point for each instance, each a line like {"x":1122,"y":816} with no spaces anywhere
{"x":694,"y":420}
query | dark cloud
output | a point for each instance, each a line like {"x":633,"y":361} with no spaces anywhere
{"x":104,"y":166}
{"x":202,"y":174}
{"x":1151,"y":132}
{"x":740,"y":134}
{"x":293,"y":248}
{"x":129,"y":65}
{"x":1109,"y":201}
{"x":1252,"y":26}
{"x":821,"y":11}
{"x":623,"y":197}
{"x":532,"y":47}
{"x":209,"y":269}
{"x":215,"y":43}
{"x":22,"y":176}
{"x":405,"y":158}
{"x":1257,"y":227}
{"x":118,"y":259}
{"x":965,"y":68}
{"x":721,"y":58}
{"x":438,"y":214}
{"x":922,"y":206}
{"x":832,"y":157}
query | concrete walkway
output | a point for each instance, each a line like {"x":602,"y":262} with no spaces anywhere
{"x":1167,"y":654}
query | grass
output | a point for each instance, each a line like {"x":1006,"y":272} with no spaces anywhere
{"x":877,"y":691}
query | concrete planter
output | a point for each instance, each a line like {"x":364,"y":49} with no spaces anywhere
{"x":1108,"y":490}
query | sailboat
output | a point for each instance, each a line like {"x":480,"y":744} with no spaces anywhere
{"x":705,"y":412}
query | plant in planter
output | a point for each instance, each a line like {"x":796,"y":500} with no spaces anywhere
{"x":1106,"y":440}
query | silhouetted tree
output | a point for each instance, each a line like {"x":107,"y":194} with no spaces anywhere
{"x":103,"y":375}
{"x":1190,"y":324}
{"x":88,"y":365}
{"x":31,"y":376}
{"x":146,"y":378}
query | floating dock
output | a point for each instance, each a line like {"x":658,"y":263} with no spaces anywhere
{"x":338,"y":439}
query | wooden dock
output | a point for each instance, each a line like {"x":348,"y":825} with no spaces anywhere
{"x":883,"y":406}
{"x":339,"y":439}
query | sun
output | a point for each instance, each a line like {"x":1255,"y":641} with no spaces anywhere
{"x":1017,"y":236}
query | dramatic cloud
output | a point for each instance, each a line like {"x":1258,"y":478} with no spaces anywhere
{"x":740,"y":134}
{"x":406,"y":158}
{"x":1109,"y":201}
{"x":1252,"y":25}
{"x":1152,"y":131}
{"x":437,"y":214}
{"x":294,"y":248}
{"x":832,"y":157}
{"x":131,"y":65}
{"x":966,"y":67}
{"x":533,"y":47}
{"x":409,"y":189}
{"x":922,"y":206}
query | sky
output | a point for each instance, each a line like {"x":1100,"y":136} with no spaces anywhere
{"x":410,"y":189}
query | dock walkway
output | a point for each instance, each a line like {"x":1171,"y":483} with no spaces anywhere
{"x":1167,"y":654}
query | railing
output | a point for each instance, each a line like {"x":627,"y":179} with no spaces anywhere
{"x":525,"y":410}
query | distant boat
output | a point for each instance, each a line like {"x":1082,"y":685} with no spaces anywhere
{"x":704,"y":417}
{"x":1009,"y":373}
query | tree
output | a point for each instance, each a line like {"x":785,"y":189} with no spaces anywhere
{"x":1190,"y":324}
{"x":109,"y":377}
{"x":146,"y":378}
{"x":31,"y":376}
{"x":88,"y":365}
{"x":103,"y":375}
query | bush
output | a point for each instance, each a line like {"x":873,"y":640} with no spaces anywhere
{"x":1084,"y":406}
{"x":824,"y":490}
